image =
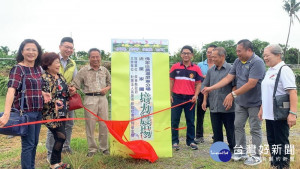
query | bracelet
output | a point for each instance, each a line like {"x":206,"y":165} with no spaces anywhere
{"x":293,"y":113}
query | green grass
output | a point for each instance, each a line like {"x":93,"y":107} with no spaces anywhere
{"x":184,"y":158}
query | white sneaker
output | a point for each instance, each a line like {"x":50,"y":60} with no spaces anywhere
{"x":175,"y":146}
{"x":253,"y":160}
{"x":238,"y":157}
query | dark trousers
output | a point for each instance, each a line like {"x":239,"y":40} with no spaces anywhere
{"x":30,"y":142}
{"x":278,"y":135}
{"x":200,"y":116}
{"x":59,"y":135}
{"x":217,"y":121}
{"x":189,"y":116}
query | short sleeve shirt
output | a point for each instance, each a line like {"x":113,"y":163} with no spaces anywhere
{"x":203,"y":66}
{"x":92,"y":80}
{"x":185,"y":78}
{"x":286,"y":82}
{"x":58,"y":89}
{"x":217,"y":97}
{"x":33,"y":100}
{"x":254,"y":68}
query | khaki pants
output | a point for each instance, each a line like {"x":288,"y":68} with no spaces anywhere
{"x":99,"y":106}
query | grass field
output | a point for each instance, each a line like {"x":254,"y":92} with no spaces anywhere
{"x":184,"y":158}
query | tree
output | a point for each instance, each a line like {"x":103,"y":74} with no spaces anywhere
{"x":291,"y":7}
{"x":259,"y":46}
{"x":292,"y":56}
{"x":4,"y":51}
{"x":82,"y":54}
{"x":177,"y":56}
{"x":228,"y":45}
{"x":105,"y":56}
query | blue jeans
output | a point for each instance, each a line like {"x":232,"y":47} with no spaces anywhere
{"x":30,"y":142}
{"x":189,"y":116}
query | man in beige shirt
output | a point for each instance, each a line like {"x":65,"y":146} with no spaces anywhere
{"x":96,"y":82}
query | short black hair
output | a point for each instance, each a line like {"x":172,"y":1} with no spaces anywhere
{"x":94,"y":49}
{"x":212,"y":46}
{"x":66,"y":39}
{"x":187,"y":47}
{"x":20,"y":56}
{"x":247,"y":44}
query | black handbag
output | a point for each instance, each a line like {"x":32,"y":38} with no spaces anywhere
{"x":281,"y":103}
{"x":17,"y":117}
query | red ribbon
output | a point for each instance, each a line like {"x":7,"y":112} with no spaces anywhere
{"x":140,"y":148}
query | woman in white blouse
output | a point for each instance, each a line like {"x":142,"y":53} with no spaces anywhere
{"x":278,"y":130}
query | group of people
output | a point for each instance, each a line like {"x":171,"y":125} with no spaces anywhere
{"x":234,"y":94}
{"x":50,"y":80}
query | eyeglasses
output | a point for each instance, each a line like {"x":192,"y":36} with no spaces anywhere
{"x":68,"y":47}
{"x":209,"y":52}
{"x":186,"y":53}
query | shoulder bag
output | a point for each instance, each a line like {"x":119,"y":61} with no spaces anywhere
{"x":281,"y":103}
{"x":17,"y":117}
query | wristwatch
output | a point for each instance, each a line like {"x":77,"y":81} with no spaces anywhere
{"x":233,"y":95}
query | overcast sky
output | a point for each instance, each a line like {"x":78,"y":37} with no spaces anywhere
{"x":93,"y":23}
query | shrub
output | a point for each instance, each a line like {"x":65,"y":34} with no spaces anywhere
{"x":297,"y":74}
{"x":3,"y":85}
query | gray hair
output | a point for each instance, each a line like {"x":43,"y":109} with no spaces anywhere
{"x":94,"y":49}
{"x":221,"y":51}
{"x":275,"y":49}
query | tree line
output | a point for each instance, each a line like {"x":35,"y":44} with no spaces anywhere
{"x":292,"y":55}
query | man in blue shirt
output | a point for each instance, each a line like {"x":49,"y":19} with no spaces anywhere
{"x":204,"y":66}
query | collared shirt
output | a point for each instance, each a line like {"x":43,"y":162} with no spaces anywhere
{"x":286,"y":82}
{"x":33,"y":100}
{"x":92,"y":80}
{"x":65,"y":62}
{"x":217,"y":97}
{"x":185,"y":78}
{"x":254,"y":68}
{"x":203,"y":66}
{"x":59,"y":91}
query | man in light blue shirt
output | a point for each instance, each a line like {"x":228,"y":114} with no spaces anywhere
{"x":204,"y":66}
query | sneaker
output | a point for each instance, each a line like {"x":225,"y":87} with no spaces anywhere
{"x":253,"y":160}
{"x":105,"y":152}
{"x":193,"y":146}
{"x":91,"y":154}
{"x":175,"y":146}
{"x":199,"y":140}
{"x":238,"y":157}
{"x":10,"y":136}
{"x":65,"y":166}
